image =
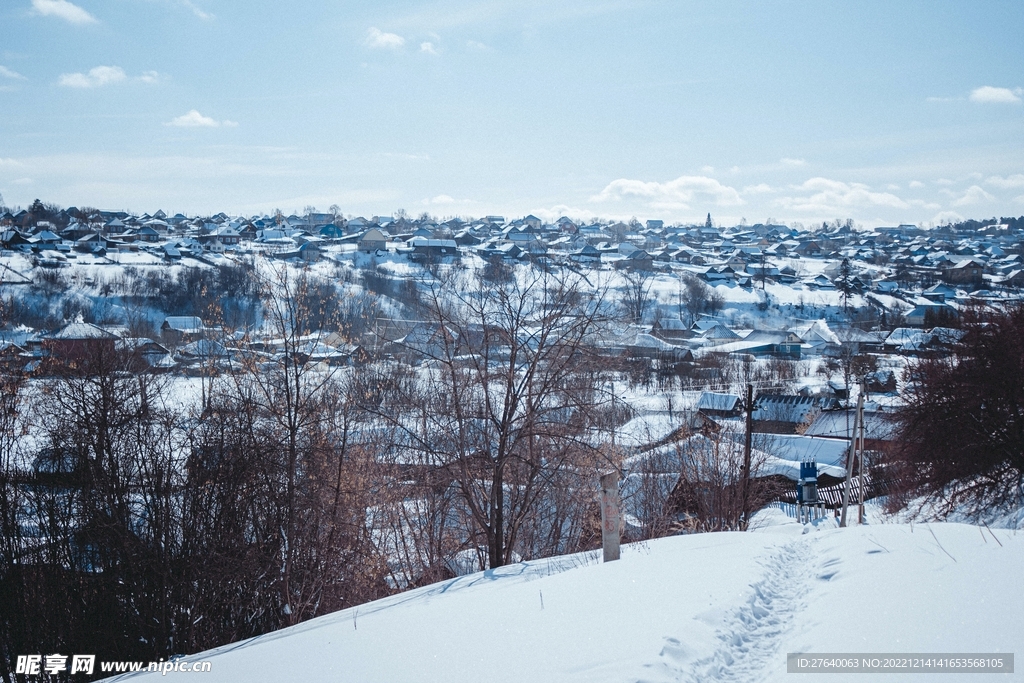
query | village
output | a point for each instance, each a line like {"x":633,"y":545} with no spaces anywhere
{"x":883,"y":290}
{"x":455,"y":388}
{"x":811,"y":318}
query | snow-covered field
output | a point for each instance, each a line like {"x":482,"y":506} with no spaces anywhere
{"x":707,"y":607}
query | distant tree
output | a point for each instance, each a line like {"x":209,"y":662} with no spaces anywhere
{"x":762,"y":273}
{"x":695,"y":298}
{"x":708,"y":223}
{"x":844,"y":282}
{"x":960,"y":434}
{"x":636,"y":294}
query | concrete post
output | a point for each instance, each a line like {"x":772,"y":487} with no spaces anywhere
{"x":610,"y":515}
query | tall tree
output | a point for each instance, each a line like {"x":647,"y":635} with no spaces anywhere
{"x":961,"y":430}
{"x":844,"y":282}
{"x":506,"y":407}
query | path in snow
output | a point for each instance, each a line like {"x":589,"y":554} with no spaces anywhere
{"x":749,"y":638}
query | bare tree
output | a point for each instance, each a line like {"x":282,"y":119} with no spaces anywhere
{"x":505,"y":402}
{"x":299,"y":416}
{"x":696,"y":298}
{"x":636,"y":293}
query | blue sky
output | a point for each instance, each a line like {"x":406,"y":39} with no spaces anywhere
{"x":798,"y":111}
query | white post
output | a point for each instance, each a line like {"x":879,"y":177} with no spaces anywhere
{"x":851,"y":460}
{"x":610,"y":515}
{"x":860,"y":471}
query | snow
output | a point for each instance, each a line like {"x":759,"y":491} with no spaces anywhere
{"x":706,"y":607}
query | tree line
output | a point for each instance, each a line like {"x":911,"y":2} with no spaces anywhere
{"x":139,"y":523}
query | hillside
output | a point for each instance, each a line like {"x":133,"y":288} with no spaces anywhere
{"x":723,"y":606}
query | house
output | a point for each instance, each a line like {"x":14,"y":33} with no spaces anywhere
{"x":588,"y":254}
{"x":424,"y":249}
{"x":670,"y":329}
{"x":719,"y":405}
{"x":967,"y":271}
{"x":372,"y":240}
{"x":78,"y":342}
{"x":764,"y":343}
{"x":148,"y":233}
{"x":637,"y":260}
{"x":783,"y":414}
{"x":926,"y":314}
{"x":1014,"y":278}
{"x":177,"y":329}
{"x":715,"y":332}
{"x":881,"y":382}
{"x":202,"y":351}
{"x":13,"y":356}
{"x":145,"y":354}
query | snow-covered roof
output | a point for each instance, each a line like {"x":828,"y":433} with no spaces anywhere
{"x":81,"y":330}
{"x":718,"y":402}
{"x":839,"y":424}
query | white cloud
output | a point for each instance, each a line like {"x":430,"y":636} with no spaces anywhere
{"x":97,"y":77}
{"x":786,"y":161}
{"x":674,"y":194}
{"x":916,"y":184}
{"x":1009,"y":182}
{"x":428,"y":47}
{"x":1019,"y":199}
{"x":943,"y":181}
{"x":150,"y":77}
{"x":760,"y":188}
{"x":447,"y":200}
{"x":707,"y":169}
{"x":990,"y":95}
{"x":828,"y":197}
{"x":206,"y":16}
{"x":475,"y":45}
{"x":194,"y":119}
{"x":63,"y":9}
{"x":974,"y":195}
{"x":9,"y":73}
{"x":379,"y":39}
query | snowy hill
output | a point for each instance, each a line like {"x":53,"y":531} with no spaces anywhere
{"x":722,"y":606}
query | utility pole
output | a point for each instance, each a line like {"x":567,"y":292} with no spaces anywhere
{"x":745,"y":481}
{"x":860,"y":471}
{"x":851,"y":458}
